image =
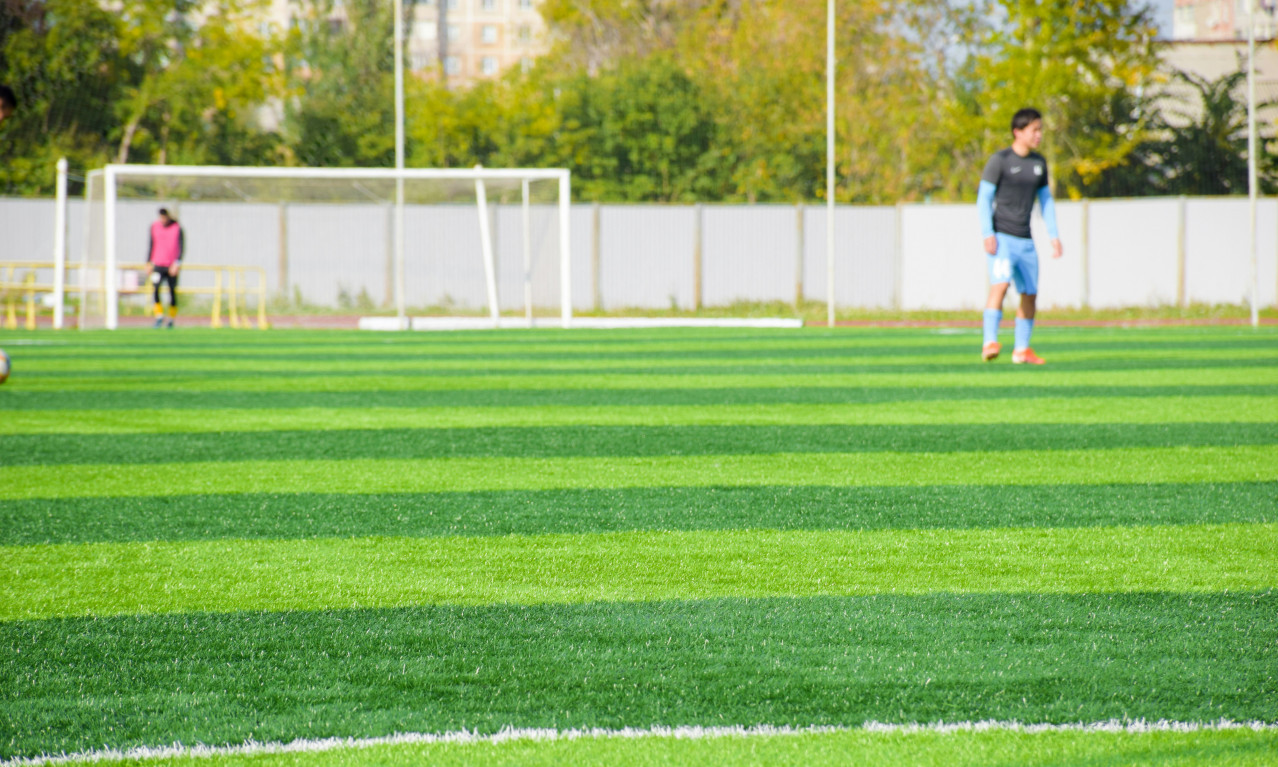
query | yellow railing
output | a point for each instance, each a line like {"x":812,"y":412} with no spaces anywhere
{"x":13,"y":293}
{"x":230,"y":284}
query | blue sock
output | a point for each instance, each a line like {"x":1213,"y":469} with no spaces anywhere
{"x":1023,"y":330}
{"x":992,"y":318}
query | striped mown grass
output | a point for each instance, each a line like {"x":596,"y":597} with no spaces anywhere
{"x":222,"y":537}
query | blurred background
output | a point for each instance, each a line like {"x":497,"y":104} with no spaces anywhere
{"x":660,"y":108}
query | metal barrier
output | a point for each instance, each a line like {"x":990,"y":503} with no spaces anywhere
{"x":225,"y":286}
{"x":13,"y":291}
{"x":235,"y":292}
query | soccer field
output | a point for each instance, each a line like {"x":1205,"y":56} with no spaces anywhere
{"x":792,"y":544}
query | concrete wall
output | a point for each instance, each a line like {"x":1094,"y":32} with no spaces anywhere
{"x":1148,"y":252}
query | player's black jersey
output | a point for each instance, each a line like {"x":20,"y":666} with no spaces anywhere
{"x":1018,"y":180}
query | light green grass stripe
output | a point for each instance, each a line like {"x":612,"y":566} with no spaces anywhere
{"x":47,"y":581}
{"x":405,"y":360}
{"x":1003,"y":375}
{"x":1257,"y":463}
{"x":1054,"y":410}
{"x":1205,"y":748}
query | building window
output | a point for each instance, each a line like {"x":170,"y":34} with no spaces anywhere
{"x":489,"y":5}
{"x":425,"y":30}
{"x":489,"y":65}
{"x":526,"y":63}
{"x":525,"y":33}
{"x":454,"y":32}
{"x":452,"y":65}
{"x":525,"y":5}
{"x":488,"y":33}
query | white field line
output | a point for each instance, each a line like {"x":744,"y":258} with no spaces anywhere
{"x":252,"y":748}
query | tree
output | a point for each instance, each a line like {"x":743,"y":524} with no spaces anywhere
{"x":63,"y":59}
{"x":343,"y":112}
{"x":1073,"y":61}
{"x":195,"y":79}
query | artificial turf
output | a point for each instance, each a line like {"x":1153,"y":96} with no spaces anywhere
{"x":1246,"y":463}
{"x":1047,"y":410}
{"x":211,"y":537}
{"x":534,"y":512}
{"x":40,"y":581}
{"x":1234,"y":748}
{"x":81,"y":683}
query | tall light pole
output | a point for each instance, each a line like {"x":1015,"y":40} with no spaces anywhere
{"x":399,"y":164}
{"x":1251,"y":159}
{"x":829,"y":163}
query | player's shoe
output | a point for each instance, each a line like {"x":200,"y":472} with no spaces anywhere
{"x":169,"y":324}
{"x":990,"y":351}
{"x":159,"y":321}
{"x":1027,"y":356}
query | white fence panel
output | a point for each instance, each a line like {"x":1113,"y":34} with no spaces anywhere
{"x":749,"y":253}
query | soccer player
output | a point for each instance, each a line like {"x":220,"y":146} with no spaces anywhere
{"x":8,"y":102}
{"x":1013,"y":178}
{"x":168,"y":241}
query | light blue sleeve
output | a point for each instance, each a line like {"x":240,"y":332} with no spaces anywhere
{"x":1048,"y":206}
{"x":985,"y":207}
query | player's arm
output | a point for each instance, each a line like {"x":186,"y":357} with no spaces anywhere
{"x":177,"y":265}
{"x":150,"y":246}
{"x":985,"y":210}
{"x":1048,"y":207}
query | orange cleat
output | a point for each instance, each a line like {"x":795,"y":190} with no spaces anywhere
{"x":1027,"y":356}
{"x":990,"y":351}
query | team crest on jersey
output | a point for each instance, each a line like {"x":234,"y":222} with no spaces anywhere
{"x":1038,"y":170}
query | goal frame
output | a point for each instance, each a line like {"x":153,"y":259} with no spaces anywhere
{"x":479,"y":175}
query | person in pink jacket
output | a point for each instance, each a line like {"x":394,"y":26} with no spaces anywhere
{"x":165,"y":257}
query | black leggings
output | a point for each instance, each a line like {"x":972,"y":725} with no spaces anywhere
{"x":164,"y":277}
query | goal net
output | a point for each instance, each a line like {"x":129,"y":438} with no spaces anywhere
{"x":484,"y":245}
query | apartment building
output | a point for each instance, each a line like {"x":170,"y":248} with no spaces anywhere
{"x":464,"y":40}
{"x":469,"y":40}
{"x":1222,"y":20}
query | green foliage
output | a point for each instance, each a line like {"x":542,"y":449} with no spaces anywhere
{"x":65,"y":62}
{"x":1070,"y":60}
{"x":644,"y":100}
{"x":343,"y":114}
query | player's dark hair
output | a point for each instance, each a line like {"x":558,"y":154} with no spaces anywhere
{"x":1024,"y":117}
{"x":164,"y":211}
{"x":7,"y":96}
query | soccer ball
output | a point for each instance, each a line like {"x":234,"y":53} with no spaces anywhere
{"x":4,"y":366}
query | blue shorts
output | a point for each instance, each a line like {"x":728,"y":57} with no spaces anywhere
{"x":1016,"y":261}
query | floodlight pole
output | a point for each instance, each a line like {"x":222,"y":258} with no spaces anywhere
{"x":399,"y":165}
{"x":829,"y":163}
{"x":110,"y":279}
{"x":60,"y":245}
{"x":1251,"y":158}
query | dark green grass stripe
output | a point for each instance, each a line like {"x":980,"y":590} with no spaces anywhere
{"x":263,"y":515}
{"x":16,"y":399}
{"x":76,"y":684}
{"x":602,"y":441}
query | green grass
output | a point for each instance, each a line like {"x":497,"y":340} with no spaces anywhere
{"x":535,"y":512}
{"x":228,"y":678}
{"x":1228,"y":749}
{"x":1253,"y":463}
{"x":215,"y":537}
{"x":1047,"y":410}
{"x":610,"y":441}
{"x":326,"y":573}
